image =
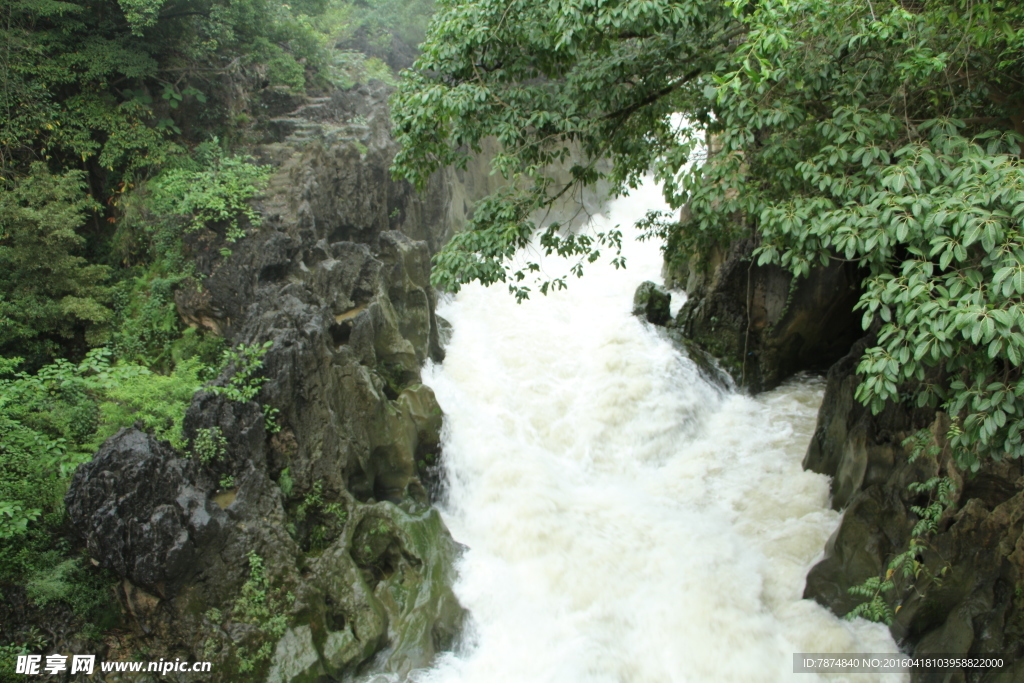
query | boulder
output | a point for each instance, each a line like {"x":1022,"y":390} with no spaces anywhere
{"x":652,"y":303}
{"x":143,"y":511}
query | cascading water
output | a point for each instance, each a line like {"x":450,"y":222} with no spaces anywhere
{"x":625,"y":521}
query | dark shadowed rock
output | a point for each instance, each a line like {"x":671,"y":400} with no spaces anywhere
{"x":143,"y":511}
{"x":966,"y":599}
{"x":760,"y":323}
{"x":652,"y":303}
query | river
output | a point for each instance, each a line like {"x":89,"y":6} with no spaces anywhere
{"x":624,"y":520}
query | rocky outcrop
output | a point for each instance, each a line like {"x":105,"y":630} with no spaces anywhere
{"x":145,"y":511}
{"x":652,"y":303}
{"x":967,"y":595}
{"x":306,"y":502}
{"x":761,"y":324}
{"x":967,"y":598}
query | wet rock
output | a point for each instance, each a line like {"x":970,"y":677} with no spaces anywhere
{"x":710,"y":369}
{"x":386,"y":583}
{"x":652,"y":303}
{"x":760,"y":323}
{"x":854,"y":447}
{"x":296,"y":659}
{"x":444,"y":331}
{"x":416,"y":573}
{"x":966,"y":597}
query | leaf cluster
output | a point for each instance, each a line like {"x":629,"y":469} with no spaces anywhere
{"x":243,"y":362}
{"x":210,"y":189}
{"x":883,"y":136}
{"x":259,"y":606}
{"x":561,"y":85}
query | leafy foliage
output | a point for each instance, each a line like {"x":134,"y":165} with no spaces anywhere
{"x":99,"y":96}
{"x":260,"y":606}
{"x":243,"y":385}
{"x":210,"y":189}
{"x":243,"y":362}
{"x":51,"y":298}
{"x":886,"y":134}
{"x":209,"y":445}
{"x":911,"y":171}
{"x":381,"y":20}
{"x":107,"y":82}
{"x":321,"y":522}
{"x":53,"y":420}
{"x":561,"y":80}
{"x":120,"y":128}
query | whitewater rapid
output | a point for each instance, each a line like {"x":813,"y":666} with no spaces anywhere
{"x":625,"y":522}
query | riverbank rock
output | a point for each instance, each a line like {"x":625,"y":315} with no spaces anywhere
{"x":301,"y":544}
{"x":761,"y":324}
{"x":967,"y":598}
{"x":652,"y":303}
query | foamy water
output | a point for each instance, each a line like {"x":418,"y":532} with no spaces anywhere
{"x":625,"y":521}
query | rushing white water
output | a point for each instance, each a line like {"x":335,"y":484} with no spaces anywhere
{"x":625,"y":521}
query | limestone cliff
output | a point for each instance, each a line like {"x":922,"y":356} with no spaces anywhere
{"x":307,"y":502}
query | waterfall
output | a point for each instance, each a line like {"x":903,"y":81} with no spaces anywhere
{"x":624,"y":520}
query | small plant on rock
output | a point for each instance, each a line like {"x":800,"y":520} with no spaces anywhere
{"x":906,"y":570}
{"x":244,"y":384}
{"x":260,"y":607}
{"x":209,"y":445}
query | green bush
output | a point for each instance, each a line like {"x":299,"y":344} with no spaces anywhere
{"x":53,"y":420}
{"x":157,"y":401}
{"x":260,"y":606}
{"x":211,"y":189}
{"x":209,"y":445}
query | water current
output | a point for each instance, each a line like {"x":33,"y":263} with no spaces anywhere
{"x":625,"y":521}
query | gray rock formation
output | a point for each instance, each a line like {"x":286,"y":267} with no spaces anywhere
{"x":758,"y":322}
{"x":145,"y":511}
{"x":318,"y":515}
{"x":967,"y":597}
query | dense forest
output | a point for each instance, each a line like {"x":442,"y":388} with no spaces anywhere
{"x":125,"y":140}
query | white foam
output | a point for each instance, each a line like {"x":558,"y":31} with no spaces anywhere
{"x":625,"y":521}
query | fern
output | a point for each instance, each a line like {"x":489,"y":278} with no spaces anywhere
{"x":882,"y":593}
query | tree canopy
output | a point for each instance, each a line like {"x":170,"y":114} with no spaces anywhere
{"x":884,"y":133}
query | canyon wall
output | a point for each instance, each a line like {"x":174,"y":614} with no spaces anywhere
{"x":296,"y":539}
